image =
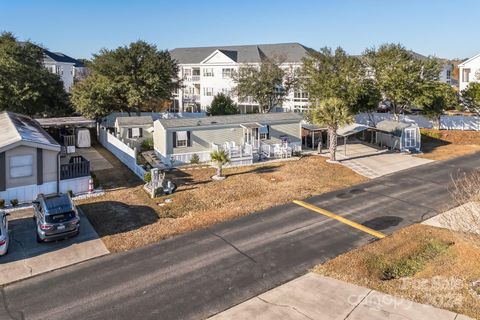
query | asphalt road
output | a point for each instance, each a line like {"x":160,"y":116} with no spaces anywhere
{"x":202,"y":273}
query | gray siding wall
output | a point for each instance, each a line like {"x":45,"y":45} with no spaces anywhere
{"x":388,"y":140}
{"x":49,"y":166}
{"x":202,"y":139}
{"x":123,"y":131}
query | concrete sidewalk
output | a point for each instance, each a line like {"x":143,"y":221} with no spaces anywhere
{"x":313,"y":296}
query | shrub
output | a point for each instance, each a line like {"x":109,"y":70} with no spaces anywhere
{"x":2,"y":203}
{"x":14,"y":202}
{"x":195,"y":159}
{"x":147,"y":144}
{"x":147,"y":177}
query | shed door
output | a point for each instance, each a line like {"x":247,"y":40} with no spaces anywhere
{"x":410,"y":138}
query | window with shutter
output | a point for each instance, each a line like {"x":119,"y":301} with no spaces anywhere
{"x":182,"y":139}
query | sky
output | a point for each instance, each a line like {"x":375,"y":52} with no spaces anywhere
{"x":444,"y":28}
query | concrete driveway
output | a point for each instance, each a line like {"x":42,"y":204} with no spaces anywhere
{"x":315,"y":297}
{"x":26,"y":257}
{"x":373,"y":163}
{"x":97,"y":161}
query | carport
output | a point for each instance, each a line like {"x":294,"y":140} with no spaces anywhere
{"x":350,"y":130}
{"x":64,"y":129}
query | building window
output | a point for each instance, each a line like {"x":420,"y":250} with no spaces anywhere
{"x":208,"y":92}
{"x":187,"y":72}
{"x":226,"y":91}
{"x":466,"y":75}
{"x":182,"y":139}
{"x":208,"y":72}
{"x":299,"y":95}
{"x":449,"y":74}
{"x":135,"y":133}
{"x":21,"y":166}
{"x":227,"y":73}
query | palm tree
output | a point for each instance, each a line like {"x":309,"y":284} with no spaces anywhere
{"x":332,"y":113}
{"x":220,"y":157}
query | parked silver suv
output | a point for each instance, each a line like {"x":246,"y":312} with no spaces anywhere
{"x":56,"y":217}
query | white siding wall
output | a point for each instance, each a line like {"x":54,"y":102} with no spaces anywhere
{"x":65,"y":71}
{"x":474,"y":66}
{"x":30,"y":192}
{"x":217,"y":82}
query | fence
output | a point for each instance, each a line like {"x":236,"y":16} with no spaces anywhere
{"x":127,"y":155}
{"x":446,"y":122}
{"x":78,"y":167}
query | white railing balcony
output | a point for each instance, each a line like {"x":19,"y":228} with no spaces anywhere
{"x":233,"y":150}
{"x":191,"y":78}
{"x":191,"y":97}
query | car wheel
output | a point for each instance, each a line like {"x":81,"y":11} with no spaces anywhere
{"x":39,"y":240}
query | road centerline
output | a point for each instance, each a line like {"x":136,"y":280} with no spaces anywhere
{"x":340,"y":218}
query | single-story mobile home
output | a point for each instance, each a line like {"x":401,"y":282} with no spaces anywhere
{"x":30,"y":162}
{"x":134,"y":129}
{"x":403,"y":136}
{"x":246,"y":137}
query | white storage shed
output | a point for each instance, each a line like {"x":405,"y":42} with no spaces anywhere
{"x":403,"y":136}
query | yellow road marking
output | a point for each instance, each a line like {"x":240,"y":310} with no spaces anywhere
{"x":340,"y":218}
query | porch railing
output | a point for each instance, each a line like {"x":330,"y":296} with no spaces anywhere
{"x":76,"y":168}
{"x":68,"y":140}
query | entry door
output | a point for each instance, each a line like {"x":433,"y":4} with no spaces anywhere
{"x":410,"y":138}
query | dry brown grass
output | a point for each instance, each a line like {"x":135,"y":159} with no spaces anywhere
{"x":447,"y":144}
{"x":443,"y":282}
{"x":127,"y":218}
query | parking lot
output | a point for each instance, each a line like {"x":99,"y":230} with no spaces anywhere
{"x":27,"y":258}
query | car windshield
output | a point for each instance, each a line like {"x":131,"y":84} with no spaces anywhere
{"x":59,"y":217}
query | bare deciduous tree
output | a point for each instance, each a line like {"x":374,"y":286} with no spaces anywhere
{"x":465,"y":218}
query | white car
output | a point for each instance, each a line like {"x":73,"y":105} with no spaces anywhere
{"x":3,"y":233}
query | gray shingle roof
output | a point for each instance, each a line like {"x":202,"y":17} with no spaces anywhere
{"x":292,"y":52}
{"x":15,"y":128}
{"x":134,"y":120}
{"x":60,"y":57}
{"x":231,"y":120}
{"x":394,"y":127}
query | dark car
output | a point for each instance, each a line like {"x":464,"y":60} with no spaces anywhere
{"x":56,"y":217}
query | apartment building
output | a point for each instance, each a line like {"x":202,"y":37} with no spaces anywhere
{"x":207,"y":71}
{"x":469,"y":71}
{"x":67,"y":68}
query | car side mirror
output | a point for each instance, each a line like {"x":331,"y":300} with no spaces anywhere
{"x":36,"y":202}
{"x":7,"y":214}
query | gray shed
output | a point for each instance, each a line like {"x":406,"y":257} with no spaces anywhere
{"x":403,"y":136}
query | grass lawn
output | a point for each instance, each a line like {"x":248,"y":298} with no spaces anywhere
{"x":447,"y":144}
{"x":422,"y":263}
{"x":127,"y":218}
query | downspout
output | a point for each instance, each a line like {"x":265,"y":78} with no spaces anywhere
{"x":58,"y":171}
